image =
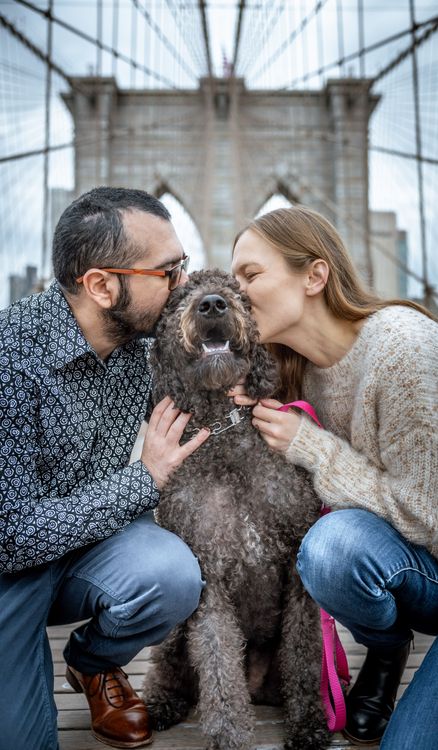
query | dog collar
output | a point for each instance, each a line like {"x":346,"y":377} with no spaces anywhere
{"x":234,"y":417}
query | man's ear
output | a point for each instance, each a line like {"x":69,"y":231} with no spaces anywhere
{"x":101,"y":287}
{"x":317,"y":275}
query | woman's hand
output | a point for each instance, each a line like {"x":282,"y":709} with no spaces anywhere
{"x":162,"y":454}
{"x":278,"y":428}
{"x":240,"y":396}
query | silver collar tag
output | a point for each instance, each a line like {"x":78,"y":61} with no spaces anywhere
{"x":235,"y":416}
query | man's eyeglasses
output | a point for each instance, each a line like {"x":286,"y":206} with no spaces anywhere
{"x":173,"y":274}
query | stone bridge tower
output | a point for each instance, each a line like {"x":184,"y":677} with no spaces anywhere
{"x":222,"y":150}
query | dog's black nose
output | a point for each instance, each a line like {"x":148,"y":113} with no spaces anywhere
{"x":212,"y":305}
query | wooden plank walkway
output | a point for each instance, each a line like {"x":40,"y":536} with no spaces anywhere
{"x":74,"y":718}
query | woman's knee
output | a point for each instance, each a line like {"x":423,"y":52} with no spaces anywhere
{"x":332,"y":550}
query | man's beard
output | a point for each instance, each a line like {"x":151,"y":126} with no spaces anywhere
{"x":123,"y":322}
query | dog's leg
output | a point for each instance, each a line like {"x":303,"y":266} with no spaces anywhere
{"x":264,"y":674}
{"x":216,"y":647}
{"x":169,"y":685}
{"x":300,"y":667}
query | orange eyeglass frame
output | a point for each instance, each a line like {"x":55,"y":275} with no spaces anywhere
{"x":181,"y":266}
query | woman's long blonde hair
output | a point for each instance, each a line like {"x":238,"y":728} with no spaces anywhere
{"x":302,"y":236}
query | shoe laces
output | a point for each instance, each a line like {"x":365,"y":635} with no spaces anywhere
{"x":113,"y":688}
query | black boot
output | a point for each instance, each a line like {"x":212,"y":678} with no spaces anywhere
{"x":371,"y":700}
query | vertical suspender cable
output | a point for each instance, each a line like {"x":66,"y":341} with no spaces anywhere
{"x":133,"y":44}
{"x":304,"y":46}
{"x":115,"y":35}
{"x":204,"y":23}
{"x":161,"y":52}
{"x":99,"y":39}
{"x":98,"y":100}
{"x":340,"y":37}
{"x":320,"y":49}
{"x":48,"y":95}
{"x":361,"y":31}
{"x":418,"y":143}
{"x":145,"y":51}
{"x":238,"y":33}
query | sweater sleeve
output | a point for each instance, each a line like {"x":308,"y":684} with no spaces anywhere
{"x":401,"y":483}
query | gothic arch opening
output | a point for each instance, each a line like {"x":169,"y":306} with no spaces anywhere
{"x":186,"y":230}
{"x":282,"y":197}
{"x":277,"y":200}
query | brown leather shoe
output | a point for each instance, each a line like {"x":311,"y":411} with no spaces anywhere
{"x":118,"y":716}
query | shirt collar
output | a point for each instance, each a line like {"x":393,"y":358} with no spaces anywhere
{"x":65,"y":341}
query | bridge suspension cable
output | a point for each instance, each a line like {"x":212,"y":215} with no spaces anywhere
{"x":290,"y":40}
{"x":36,"y":50}
{"x":325,"y":135}
{"x":47,"y":131}
{"x":419,"y":149}
{"x":93,"y":139}
{"x":266,"y":43}
{"x":163,"y":38}
{"x":404,"y":155}
{"x":238,"y":33}
{"x":204,"y":24}
{"x":261,"y":33}
{"x":184,"y":21}
{"x":305,"y":187}
{"x":417,"y":41}
{"x":370,"y":48}
{"x":98,"y":43}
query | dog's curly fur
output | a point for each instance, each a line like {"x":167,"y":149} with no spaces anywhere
{"x":243,"y":511}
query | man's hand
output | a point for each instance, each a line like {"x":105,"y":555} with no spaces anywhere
{"x":162,"y":453}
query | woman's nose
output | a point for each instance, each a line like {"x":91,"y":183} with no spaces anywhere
{"x":241,"y":283}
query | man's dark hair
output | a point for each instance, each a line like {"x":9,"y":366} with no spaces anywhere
{"x":90,"y":232}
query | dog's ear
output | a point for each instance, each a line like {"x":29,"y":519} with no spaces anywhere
{"x":165,"y":382}
{"x":263,"y":378}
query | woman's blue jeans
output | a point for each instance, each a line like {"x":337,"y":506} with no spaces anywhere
{"x":358,"y":568}
{"x":135,"y":586}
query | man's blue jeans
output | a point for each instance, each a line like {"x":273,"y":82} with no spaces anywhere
{"x":381,"y":587}
{"x":135,"y":586}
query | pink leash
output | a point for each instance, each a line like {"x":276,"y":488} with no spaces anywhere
{"x":334,"y":667}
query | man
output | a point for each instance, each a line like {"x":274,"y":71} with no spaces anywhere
{"x":77,"y":537}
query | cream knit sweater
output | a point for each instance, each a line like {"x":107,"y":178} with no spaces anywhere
{"x":379,"y":408}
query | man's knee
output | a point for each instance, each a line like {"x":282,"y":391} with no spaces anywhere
{"x":181,"y":584}
{"x":160,"y":594}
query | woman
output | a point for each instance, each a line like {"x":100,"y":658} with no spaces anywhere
{"x":370,"y":369}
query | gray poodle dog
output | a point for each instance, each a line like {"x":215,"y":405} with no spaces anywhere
{"x":243,"y":510}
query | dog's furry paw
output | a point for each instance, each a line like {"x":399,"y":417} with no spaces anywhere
{"x":164,"y":715}
{"x":226,"y":744}
{"x":231,"y":739}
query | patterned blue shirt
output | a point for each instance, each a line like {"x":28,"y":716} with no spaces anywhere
{"x":68,"y":425}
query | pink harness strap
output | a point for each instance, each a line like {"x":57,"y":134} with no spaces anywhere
{"x":334,"y":667}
